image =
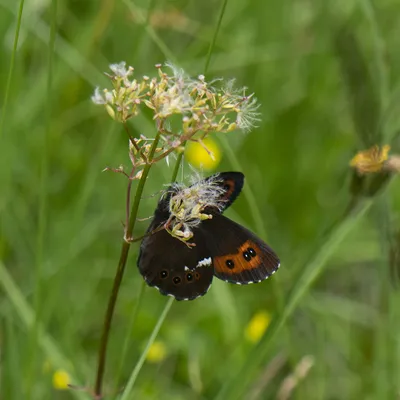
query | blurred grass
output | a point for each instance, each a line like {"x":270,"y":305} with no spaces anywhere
{"x":296,"y":167}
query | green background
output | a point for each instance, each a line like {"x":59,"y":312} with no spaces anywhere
{"x":327,"y":77}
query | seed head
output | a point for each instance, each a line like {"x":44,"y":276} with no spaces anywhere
{"x":190,"y":205}
{"x":184,"y":109}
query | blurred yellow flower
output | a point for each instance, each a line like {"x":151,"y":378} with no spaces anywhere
{"x":257,"y":326}
{"x":197,"y":155}
{"x":371,"y":160}
{"x":157,"y":352}
{"x":61,"y":379}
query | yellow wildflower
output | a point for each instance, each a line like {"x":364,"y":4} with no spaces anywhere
{"x":371,"y":160}
{"x":198,"y":156}
{"x":157,"y":352}
{"x":61,"y":379}
{"x":257,"y":326}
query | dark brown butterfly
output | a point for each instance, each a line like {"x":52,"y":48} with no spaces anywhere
{"x":220,"y":247}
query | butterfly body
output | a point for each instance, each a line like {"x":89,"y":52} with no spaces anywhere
{"x":219,"y":247}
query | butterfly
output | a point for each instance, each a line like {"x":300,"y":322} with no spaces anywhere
{"x":219,"y":247}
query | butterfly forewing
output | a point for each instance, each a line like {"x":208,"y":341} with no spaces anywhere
{"x":232,"y":183}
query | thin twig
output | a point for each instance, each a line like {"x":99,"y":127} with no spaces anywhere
{"x":134,"y":144}
{"x":128,"y":199}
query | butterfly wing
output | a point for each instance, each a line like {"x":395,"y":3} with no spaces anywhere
{"x":232,"y":183}
{"x":238,"y":255}
{"x":223,"y":248}
{"x":173,"y":268}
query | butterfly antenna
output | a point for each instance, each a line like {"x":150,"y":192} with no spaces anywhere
{"x":144,"y":219}
{"x":131,"y":240}
{"x":182,"y":166}
{"x":152,"y":195}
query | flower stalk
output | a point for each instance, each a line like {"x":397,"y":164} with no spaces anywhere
{"x":184,"y":109}
{"x":120,"y":273}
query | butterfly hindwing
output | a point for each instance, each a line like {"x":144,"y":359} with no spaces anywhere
{"x":173,"y":268}
{"x":238,"y":255}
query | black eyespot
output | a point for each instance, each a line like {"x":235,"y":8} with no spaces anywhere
{"x":176,"y":280}
{"x":246,"y":256}
{"x":230,"y":264}
{"x":189,"y":277}
{"x":227,"y":187}
{"x":197,"y":275}
{"x":163,"y":274}
{"x":251,"y":251}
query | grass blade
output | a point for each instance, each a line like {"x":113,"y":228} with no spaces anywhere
{"x":129,"y":386}
{"x":214,"y":39}
{"x":11,"y":70}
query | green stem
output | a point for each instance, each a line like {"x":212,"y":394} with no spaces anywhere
{"x":4,"y":161}
{"x":177,"y":166}
{"x":212,"y":44}
{"x":120,"y":272}
{"x":156,"y":329}
{"x":128,"y":336}
{"x":127,"y":392}
{"x":11,"y":70}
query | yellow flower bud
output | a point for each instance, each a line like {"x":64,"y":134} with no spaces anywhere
{"x":61,"y":379}
{"x":371,"y":160}
{"x":110,"y":111}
